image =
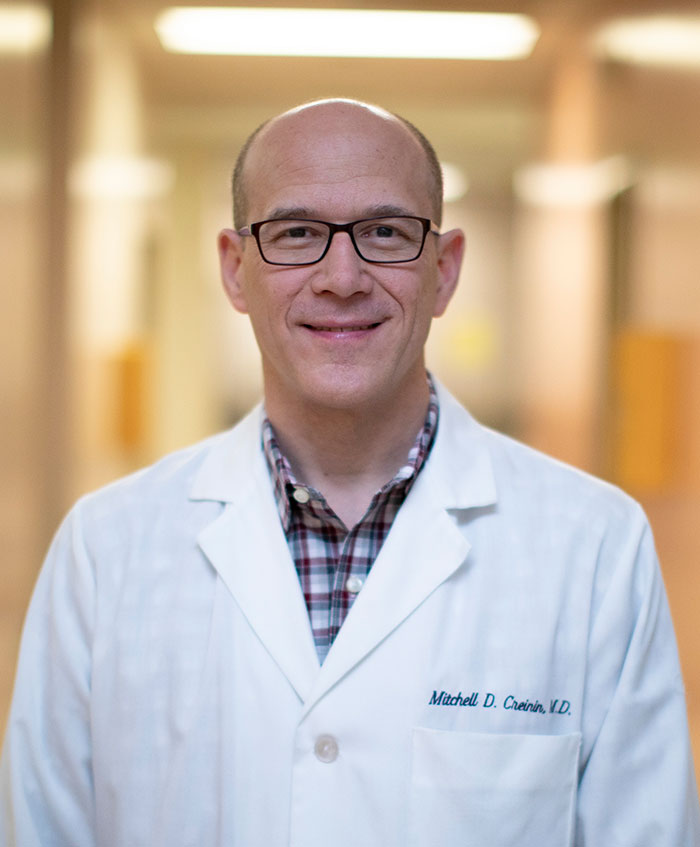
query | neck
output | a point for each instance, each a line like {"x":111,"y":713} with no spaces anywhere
{"x":349,"y":453}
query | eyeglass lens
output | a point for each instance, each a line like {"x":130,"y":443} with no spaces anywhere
{"x":298,"y":242}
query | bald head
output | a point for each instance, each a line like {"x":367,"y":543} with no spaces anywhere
{"x":334,"y":116}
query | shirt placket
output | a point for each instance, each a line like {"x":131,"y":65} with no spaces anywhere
{"x":332,"y":562}
{"x":340,"y":598}
{"x":321,"y":533}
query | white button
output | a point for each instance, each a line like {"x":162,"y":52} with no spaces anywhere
{"x":353,"y":584}
{"x":301,"y":495}
{"x":326,"y":749}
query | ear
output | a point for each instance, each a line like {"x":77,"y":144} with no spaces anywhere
{"x":230,"y":246}
{"x":450,"y":250}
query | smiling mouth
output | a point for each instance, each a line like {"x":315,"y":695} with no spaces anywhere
{"x":341,"y":329}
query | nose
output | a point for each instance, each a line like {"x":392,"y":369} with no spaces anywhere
{"x":341,"y":271}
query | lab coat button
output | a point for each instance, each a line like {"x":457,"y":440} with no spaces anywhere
{"x":301,"y":495}
{"x":353,"y":584}
{"x":326,"y":749}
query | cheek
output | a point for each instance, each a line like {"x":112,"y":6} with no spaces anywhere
{"x":420,"y":305}
{"x":269,"y":310}
{"x":424,"y":311}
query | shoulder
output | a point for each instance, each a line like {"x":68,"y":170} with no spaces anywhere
{"x":528,"y":472}
{"x":174,"y":473}
{"x":549,"y":516}
{"x":529,"y":481}
{"x":205,"y":472}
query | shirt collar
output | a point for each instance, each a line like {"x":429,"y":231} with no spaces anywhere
{"x":285,"y":483}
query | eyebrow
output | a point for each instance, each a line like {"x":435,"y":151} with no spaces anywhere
{"x":304,"y":213}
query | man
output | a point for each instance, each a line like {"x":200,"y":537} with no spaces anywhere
{"x":359,"y":618}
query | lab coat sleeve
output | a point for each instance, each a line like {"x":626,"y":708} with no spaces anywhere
{"x":46,"y":786}
{"x":637,"y":787}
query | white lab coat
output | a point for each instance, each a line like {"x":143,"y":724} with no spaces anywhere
{"x":506,"y":678}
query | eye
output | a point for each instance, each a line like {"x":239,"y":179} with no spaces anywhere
{"x":281,"y":231}
{"x":377,"y":231}
{"x":296,"y":232}
{"x":388,"y":231}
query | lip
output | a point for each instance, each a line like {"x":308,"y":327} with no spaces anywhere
{"x":347,"y":330}
{"x":342,"y":329}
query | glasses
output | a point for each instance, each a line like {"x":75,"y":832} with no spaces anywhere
{"x":303,"y":242}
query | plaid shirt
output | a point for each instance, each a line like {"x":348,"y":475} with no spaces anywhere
{"x":332,"y":561}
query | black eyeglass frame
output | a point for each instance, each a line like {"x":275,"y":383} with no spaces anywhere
{"x":254,"y":230}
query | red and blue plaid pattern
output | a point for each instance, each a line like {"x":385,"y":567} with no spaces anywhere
{"x":333,"y":561}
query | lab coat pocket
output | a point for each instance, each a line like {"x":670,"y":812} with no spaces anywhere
{"x":486,"y":790}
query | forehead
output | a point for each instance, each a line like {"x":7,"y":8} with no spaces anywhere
{"x":336,"y":162}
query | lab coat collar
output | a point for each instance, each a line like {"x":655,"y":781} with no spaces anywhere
{"x":247,"y":547}
{"x":425,"y":547}
{"x":459,"y":465}
{"x":225,"y":474}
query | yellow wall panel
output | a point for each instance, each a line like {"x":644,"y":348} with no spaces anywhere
{"x":647,"y":409}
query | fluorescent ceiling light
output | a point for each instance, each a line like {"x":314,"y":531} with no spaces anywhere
{"x":670,"y":40}
{"x":572,"y":186}
{"x":346,"y":32}
{"x":128,"y":177}
{"x":24,"y":27}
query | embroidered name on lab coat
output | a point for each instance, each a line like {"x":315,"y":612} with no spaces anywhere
{"x":557,"y":706}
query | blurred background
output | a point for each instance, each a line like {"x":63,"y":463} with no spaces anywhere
{"x":574,"y":168}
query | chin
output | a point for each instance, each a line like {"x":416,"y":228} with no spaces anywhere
{"x":344,"y":390}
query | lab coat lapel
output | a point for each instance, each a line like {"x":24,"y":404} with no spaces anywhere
{"x":422,"y":550}
{"x":247,"y":547}
{"x":425,"y":545}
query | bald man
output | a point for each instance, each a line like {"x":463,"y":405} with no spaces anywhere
{"x":357,"y":618}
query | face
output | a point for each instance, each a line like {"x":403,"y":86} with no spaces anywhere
{"x":343,"y":333}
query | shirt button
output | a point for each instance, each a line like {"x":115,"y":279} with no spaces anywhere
{"x":353,"y":584}
{"x":326,"y":749}
{"x":301,"y":495}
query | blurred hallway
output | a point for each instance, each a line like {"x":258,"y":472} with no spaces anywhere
{"x":576,"y":327}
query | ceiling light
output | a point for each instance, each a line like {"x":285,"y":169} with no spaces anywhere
{"x":24,"y":27}
{"x":129,"y":177}
{"x":346,"y":32}
{"x":669,"y":40}
{"x":572,"y":185}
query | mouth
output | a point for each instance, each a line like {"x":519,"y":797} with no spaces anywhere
{"x":342,"y":329}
